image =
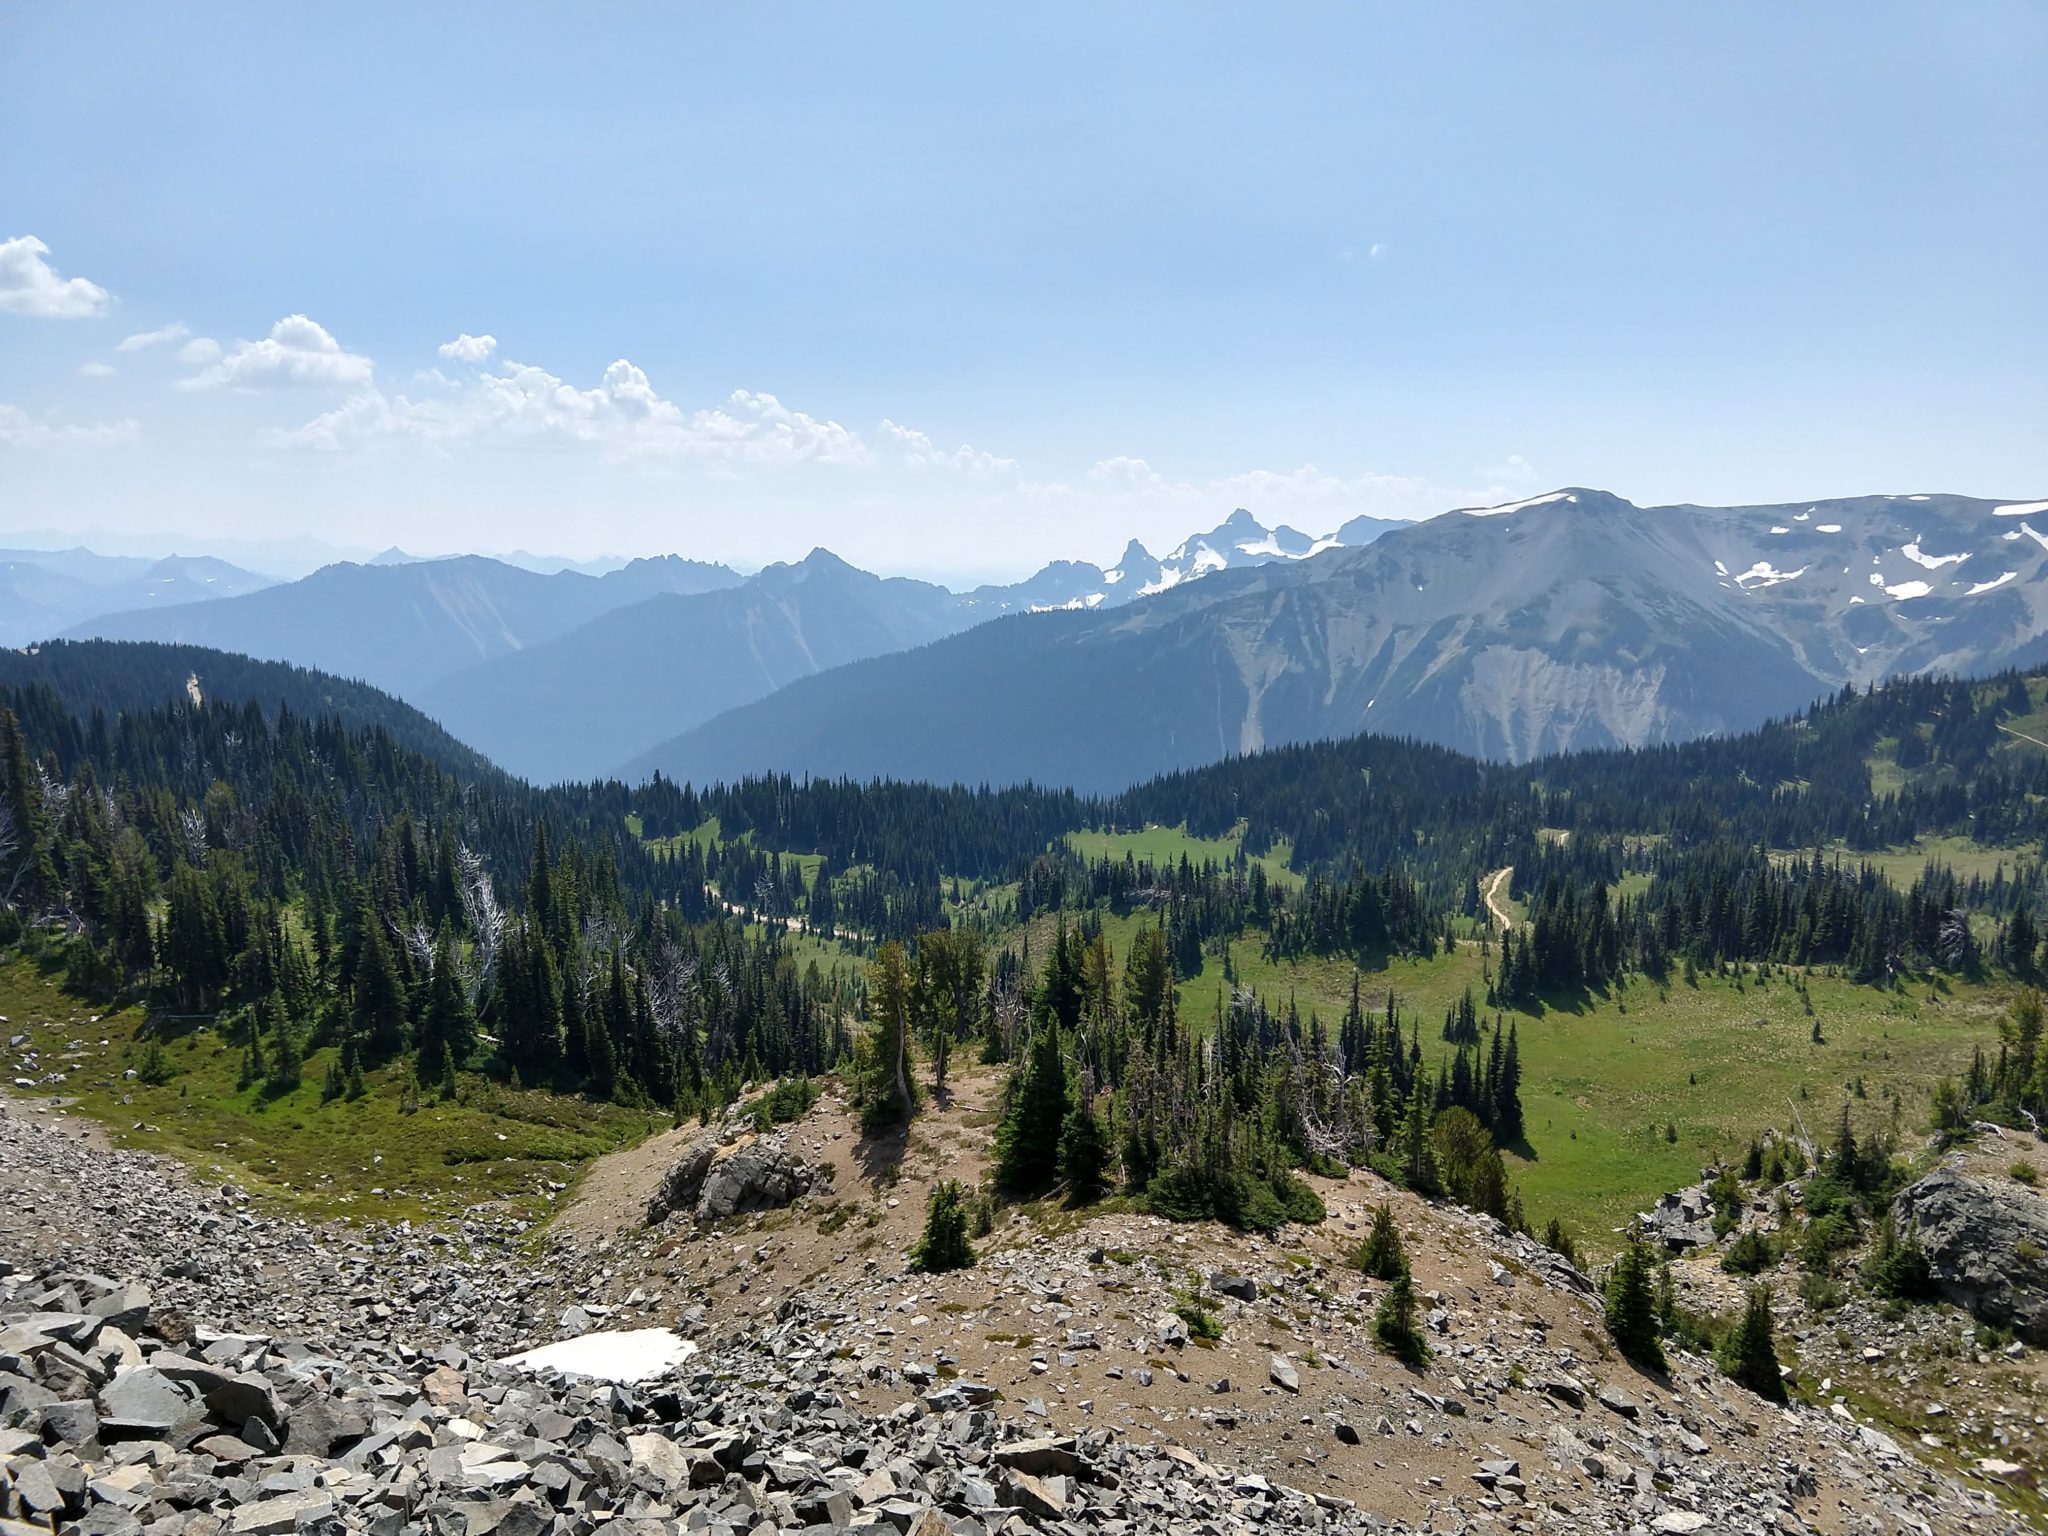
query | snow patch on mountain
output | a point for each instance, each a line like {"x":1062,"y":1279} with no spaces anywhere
{"x":1918,"y":556}
{"x":1518,"y":506}
{"x":1993,"y":585}
{"x":1763,"y":574}
{"x":2020,"y":509}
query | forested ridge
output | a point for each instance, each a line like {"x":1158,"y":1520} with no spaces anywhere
{"x":314,"y":885}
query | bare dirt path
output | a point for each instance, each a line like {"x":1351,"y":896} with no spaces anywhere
{"x":1495,"y":891}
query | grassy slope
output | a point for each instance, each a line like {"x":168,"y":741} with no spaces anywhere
{"x":1717,"y":1063}
{"x":327,"y":1160}
{"x":1604,"y":1074}
{"x":1166,"y":845}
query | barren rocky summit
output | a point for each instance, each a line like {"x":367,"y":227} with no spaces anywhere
{"x":174,"y":1359}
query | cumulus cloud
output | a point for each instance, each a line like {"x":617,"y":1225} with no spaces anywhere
{"x":162,"y":336}
{"x":917,"y":448}
{"x":298,"y":353}
{"x":29,"y":285}
{"x":96,"y":370}
{"x":519,"y":405}
{"x":469,"y":349}
{"x":200,"y":349}
{"x":1515,"y":470}
{"x":20,"y":430}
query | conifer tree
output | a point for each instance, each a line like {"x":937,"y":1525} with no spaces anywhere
{"x":1028,"y":1142}
{"x":1631,"y":1313}
{"x":380,"y":992}
{"x":1382,"y":1255}
{"x":945,"y":1243}
{"x":1393,"y":1321}
{"x":889,"y":986}
{"x":1748,"y":1353}
{"x":447,"y":1024}
{"x":1084,"y":1152}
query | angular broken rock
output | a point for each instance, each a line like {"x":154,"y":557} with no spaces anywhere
{"x":1284,"y":1375}
{"x":1240,"y":1287}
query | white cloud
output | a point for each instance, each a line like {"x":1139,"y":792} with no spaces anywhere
{"x":623,"y":416}
{"x":200,"y":349}
{"x":795,"y":435}
{"x":1514,"y":469}
{"x":96,"y":370}
{"x":298,"y":352}
{"x":164,"y":335}
{"x":917,"y":448}
{"x":469,"y":349}
{"x":1378,"y":250}
{"x":29,"y":285}
{"x":19,"y":430}
{"x":1126,"y":473}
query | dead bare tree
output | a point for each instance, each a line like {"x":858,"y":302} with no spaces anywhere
{"x":669,"y":982}
{"x":1322,"y":1135}
{"x":417,"y":936}
{"x":192,"y":828}
{"x":486,"y":920}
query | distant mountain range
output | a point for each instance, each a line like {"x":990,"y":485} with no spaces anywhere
{"x":405,"y":627}
{"x":1571,"y":619}
{"x":562,"y":674}
{"x":44,"y":592}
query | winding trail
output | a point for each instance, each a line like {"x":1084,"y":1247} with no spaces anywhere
{"x":2023,"y":736}
{"x":1496,"y":901}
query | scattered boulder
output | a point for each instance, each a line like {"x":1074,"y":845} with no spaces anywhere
{"x":725,"y":1173}
{"x":1986,"y":1243}
{"x":1238,"y":1287}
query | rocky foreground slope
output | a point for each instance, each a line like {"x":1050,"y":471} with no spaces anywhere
{"x":173,"y":1360}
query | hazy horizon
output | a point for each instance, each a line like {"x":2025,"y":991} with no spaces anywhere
{"x":958,"y":294}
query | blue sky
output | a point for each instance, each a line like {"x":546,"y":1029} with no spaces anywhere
{"x":955,"y":290}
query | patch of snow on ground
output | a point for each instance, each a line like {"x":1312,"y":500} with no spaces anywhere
{"x":1111,"y":578}
{"x":1206,"y":559}
{"x":1855,"y":599}
{"x":1986,"y":586}
{"x":1908,"y":589}
{"x":1827,"y":527}
{"x":1169,"y":577}
{"x":1761,"y":574}
{"x":1517,"y":506}
{"x":2039,"y":538}
{"x":1918,"y":556}
{"x":1781,"y":529}
{"x":1802,"y":517}
{"x":1720,"y":569}
{"x":2020,"y":509}
{"x":634,"y":1354}
{"x":1269,"y":545}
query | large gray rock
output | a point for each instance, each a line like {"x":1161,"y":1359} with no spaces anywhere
{"x":1987,"y":1242}
{"x":717,"y":1177}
